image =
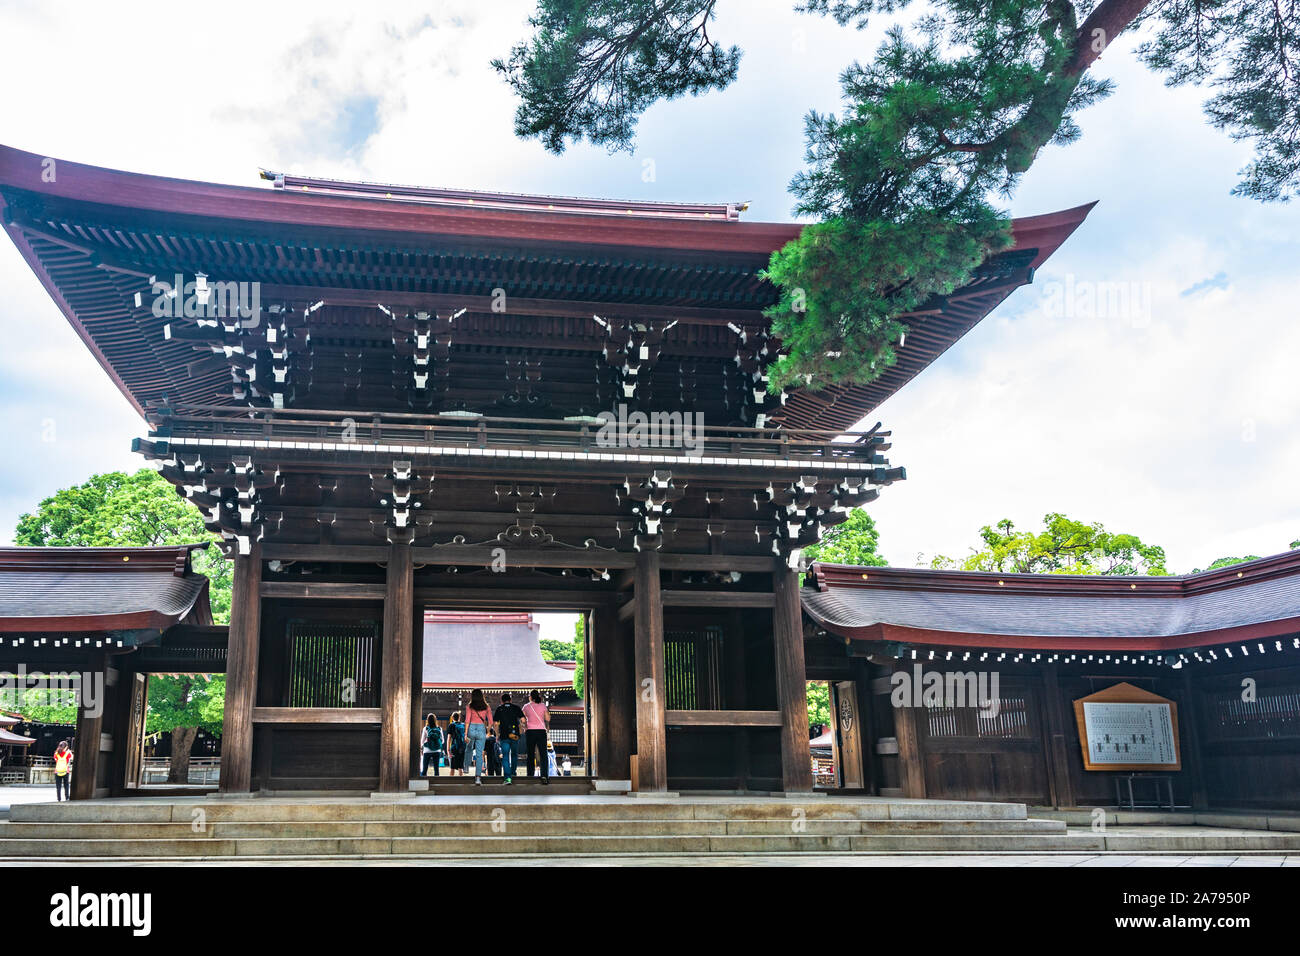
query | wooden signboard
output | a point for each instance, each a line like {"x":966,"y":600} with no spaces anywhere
{"x":1127,"y":728}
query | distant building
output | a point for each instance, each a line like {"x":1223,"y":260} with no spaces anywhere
{"x":499,"y":653}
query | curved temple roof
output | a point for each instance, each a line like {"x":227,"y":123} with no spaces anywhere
{"x":94,"y":237}
{"x":468,"y":649}
{"x":77,"y":590}
{"x":1244,"y":602}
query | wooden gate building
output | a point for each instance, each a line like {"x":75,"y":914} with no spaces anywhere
{"x":388,"y":400}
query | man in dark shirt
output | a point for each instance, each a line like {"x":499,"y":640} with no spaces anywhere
{"x":507,"y":718}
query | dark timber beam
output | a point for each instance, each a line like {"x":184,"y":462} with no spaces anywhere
{"x":791,"y":680}
{"x":651,"y":727}
{"x":395,"y":670}
{"x":241,"y":672}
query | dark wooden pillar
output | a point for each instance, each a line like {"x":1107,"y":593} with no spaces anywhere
{"x":791,"y":681}
{"x":614,"y":686}
{"x":241,"y":672}
{"x":395,"y":668}
{"x":1058,"y":755}
{"x":911,"y":766}
{"x":86,"y":753}
{"x":417,"y":686}
{"x":1191,"y":753}
{"x":651,"y":721}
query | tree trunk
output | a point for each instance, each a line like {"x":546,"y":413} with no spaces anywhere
{"x":182,"y":742}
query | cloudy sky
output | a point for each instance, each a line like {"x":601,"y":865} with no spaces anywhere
{"x":1170,"y":417}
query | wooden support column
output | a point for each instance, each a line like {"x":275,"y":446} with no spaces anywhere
{"x":614,"y":686}
{"x":1193,"y":756}
{"x":395,"y":670}
{"x":90,"y":727}
{"x":241,"y":672}
{"x":1060,"y":786}
{"x":417,"y":686}
{"x":651,"y":725}
{"x":911,"y":766}
{"x":791,"y":680}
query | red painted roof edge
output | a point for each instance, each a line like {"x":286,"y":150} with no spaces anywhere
{"x":20,"y":169}
{"x":827,"y":576}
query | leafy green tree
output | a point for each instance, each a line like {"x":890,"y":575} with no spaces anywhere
{"x":553,"y":650}
{"x":121,"y":510}
{"x":580,"y":654}
{"x":1228,"y":562}
{"x":42,"y":706}
{"x":1064,"y":546}
{"x":182,"y":704}
{"x":951,"y":111}
{"x":819,"y":702}
{"x":851,"y":542}
{"x":592,"y":66}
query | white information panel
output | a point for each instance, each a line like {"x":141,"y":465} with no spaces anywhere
{"x":1130,"y":734}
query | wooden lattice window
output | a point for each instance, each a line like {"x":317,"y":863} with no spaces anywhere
{"x":334,"y":665}
{"x":1011,"y":720}
{"x":1274,"y":714}
{"x":693,"y":668}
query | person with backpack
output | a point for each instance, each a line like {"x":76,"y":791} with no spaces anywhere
{"x":477,"y":718}
{"x":456,"y":744}
{"x":507,"y":718}
{"x":537,"y":719}
{"x":63,"y":772}
{"x":430,"y":746}
{"x":492,"y":753}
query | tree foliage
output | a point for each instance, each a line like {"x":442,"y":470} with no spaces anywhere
{"x":1064,"y":546}
{"x":181,"y":705}
{"x":951,"y":112}
{"x":580,"y":654}
{"x":819,"y":702}
{"x":120,"y":510}
{"x":853,"y":541}
{"x":592,"y":67}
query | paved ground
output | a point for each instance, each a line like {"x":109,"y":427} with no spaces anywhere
{"x":799,"y":859}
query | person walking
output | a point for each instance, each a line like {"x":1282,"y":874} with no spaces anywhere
{"x":492,"y":753}
{"x":537,"y":720}
{"x":455,"y":744}
{"x":62,"y":771}
{"x":507,"y":718}
{"x":430,"y":746}
{"x":477,"y":718}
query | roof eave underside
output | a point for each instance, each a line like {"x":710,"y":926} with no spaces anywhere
{"x":94,"y":293}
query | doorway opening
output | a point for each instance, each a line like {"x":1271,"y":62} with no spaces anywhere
{"x":174,"y":731}
{"x":508,"y":655}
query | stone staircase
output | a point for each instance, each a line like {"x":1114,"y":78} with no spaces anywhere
{"x":496,"y":824}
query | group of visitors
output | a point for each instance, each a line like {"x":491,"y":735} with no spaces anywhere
{"x":490,"y":739}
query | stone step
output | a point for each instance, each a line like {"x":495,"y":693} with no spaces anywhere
{"x":575,"y":827}
{"x":526,"y":845}
{"x":553,"y":807}
{"x":509,"y":845}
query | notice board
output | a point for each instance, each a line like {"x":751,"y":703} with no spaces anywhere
{"x":1127,"y":728}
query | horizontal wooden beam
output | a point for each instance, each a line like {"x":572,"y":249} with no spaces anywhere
{"x":515,"y":305}
{"x":316,"y":715}
{"x":724,"y":718}
{"x":326,"y":590}
{"x":729,"y":599}
{"x":461,"y":595}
